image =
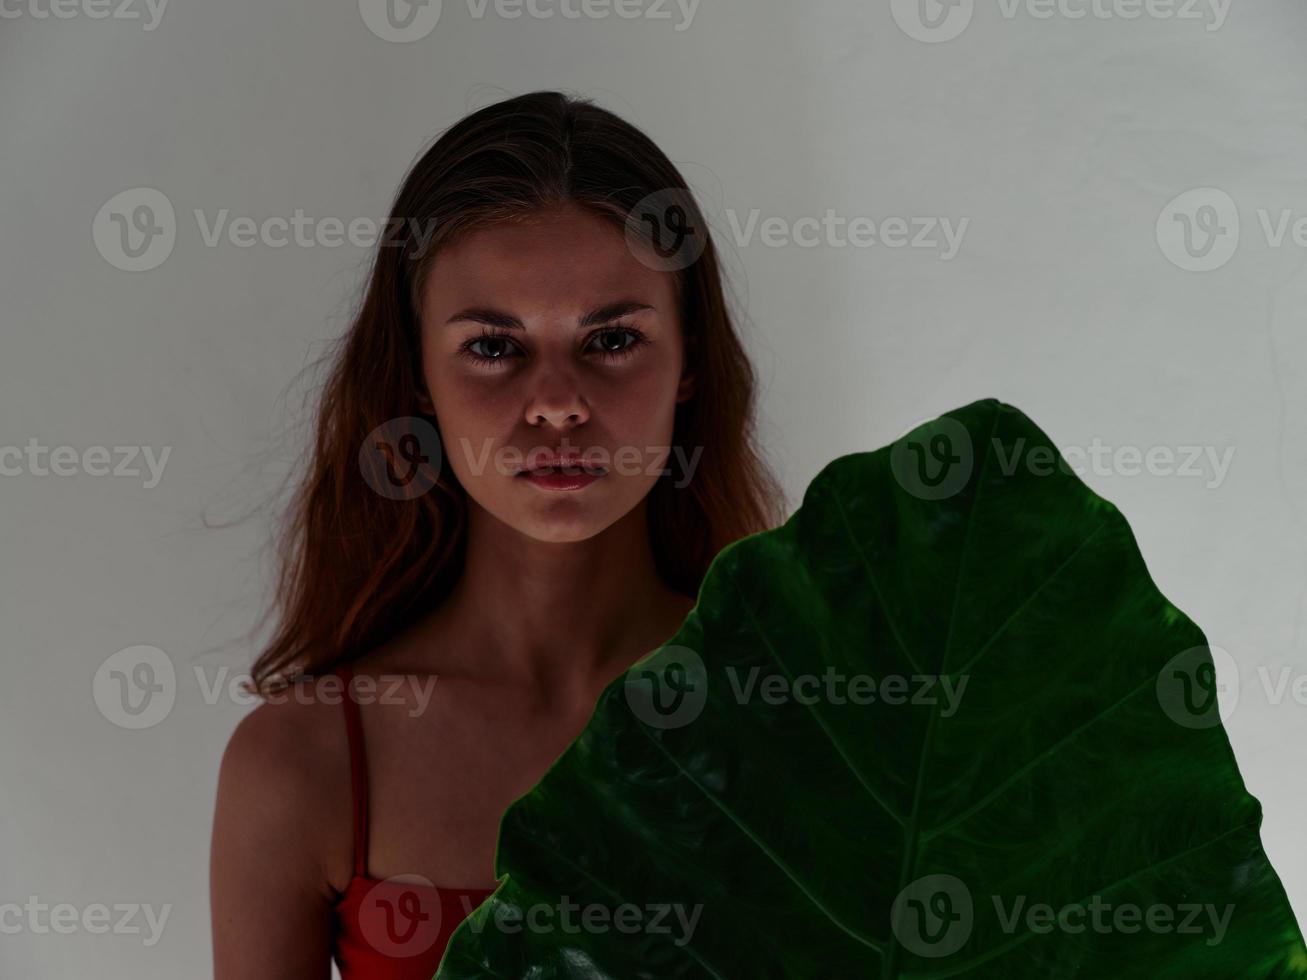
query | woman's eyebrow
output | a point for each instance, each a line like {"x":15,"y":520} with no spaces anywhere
{"x":506,"y":321}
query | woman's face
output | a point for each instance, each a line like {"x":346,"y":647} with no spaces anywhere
{"x":551,"y":337}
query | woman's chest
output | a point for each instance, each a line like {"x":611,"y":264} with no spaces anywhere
{"x":441,"y":781}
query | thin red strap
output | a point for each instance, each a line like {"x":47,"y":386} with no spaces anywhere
{"x":358,"y":771}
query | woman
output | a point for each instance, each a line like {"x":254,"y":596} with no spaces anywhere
{"x":534,"y":438}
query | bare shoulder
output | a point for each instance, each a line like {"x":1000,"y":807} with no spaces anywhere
{"x":289,"y":738}
{"x":283,"y":785}
{"x":281,"y":839}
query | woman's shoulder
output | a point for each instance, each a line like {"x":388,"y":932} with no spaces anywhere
{"x":292,"y":725}
{"x":284,"y":769}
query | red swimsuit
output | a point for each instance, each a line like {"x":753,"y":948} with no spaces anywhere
{"x":393,"y":929}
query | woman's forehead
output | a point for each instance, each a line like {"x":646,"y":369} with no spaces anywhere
{"x":574,"y":263}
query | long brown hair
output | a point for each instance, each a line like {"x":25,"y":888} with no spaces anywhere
{"x":355,"y":566}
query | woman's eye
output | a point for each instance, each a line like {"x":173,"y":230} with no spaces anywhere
{"x":487,"y":348}
{"x":612,"y":342}
{"x":496,"y":347}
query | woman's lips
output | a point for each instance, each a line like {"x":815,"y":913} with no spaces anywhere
{"x":571,"y":477}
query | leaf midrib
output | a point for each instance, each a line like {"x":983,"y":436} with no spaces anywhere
{"x":911,"y":838}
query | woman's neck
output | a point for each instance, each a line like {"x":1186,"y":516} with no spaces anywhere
{"x":560,"y":619}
